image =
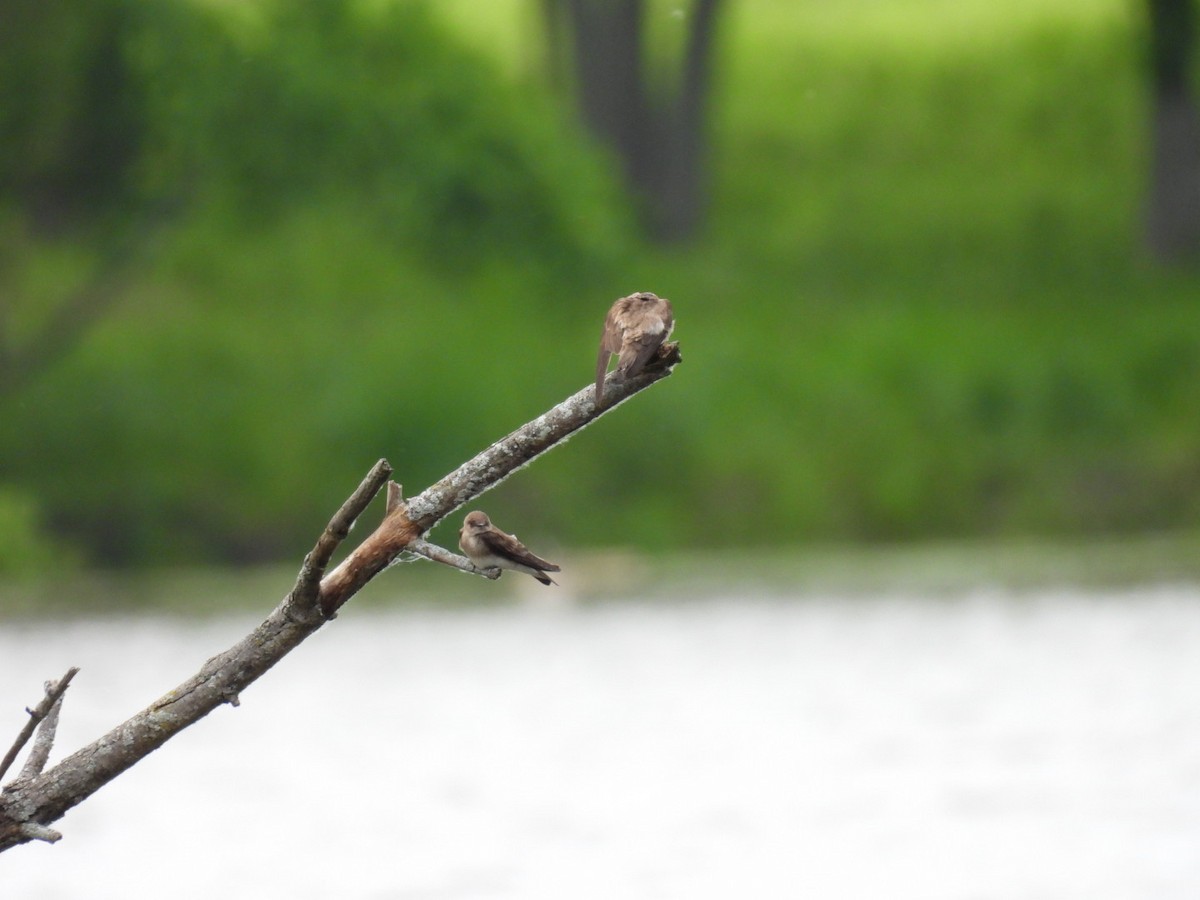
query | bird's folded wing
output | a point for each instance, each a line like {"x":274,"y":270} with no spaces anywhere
{"x":508,"y":546}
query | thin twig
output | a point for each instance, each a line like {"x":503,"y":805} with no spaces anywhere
{"x":43,"y":741}
{"x":32,"y":831}
{"x":395,"y":498}
{"x":433,"y":552}
{"x":54,"y":692}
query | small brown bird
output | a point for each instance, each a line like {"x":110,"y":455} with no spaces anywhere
{"x":487,"y":547}
{"x":635,"y":327}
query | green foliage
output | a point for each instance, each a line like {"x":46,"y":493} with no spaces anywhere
{"x":26,"y":549}
{"x":70,"y":127}
{"x":370,"y":105}
{"x":919,"y":309}
{"x":361,"y":206}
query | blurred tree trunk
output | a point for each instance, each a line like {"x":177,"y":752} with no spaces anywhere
{"x":1173,"y":208}
{"x":652,"y":119}
{"x":71,"y":125}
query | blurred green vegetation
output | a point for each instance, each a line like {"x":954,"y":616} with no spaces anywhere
{"x":919,"y":311}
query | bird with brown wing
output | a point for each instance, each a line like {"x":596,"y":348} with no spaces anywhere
{"x":635,"y":328}
{"x":489,"y":547}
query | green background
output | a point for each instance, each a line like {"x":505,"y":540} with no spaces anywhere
{"x":920,"y":308}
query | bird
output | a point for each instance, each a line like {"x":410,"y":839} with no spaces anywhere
{"x":489,"y":547}
{"x":635,"y":328}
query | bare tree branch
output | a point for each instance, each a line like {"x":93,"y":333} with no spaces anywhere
{"x":28,"y":806}
{"x":414,"y":519}
{"x":47,"y":712}
{"x":43,"y":743}
{"x":31,"y":831}
{"x":308,"y":585}
{"x":395,"y":497}
{"x":433,"y":552}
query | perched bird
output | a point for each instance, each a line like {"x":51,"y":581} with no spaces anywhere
{"x":487,"y":546}
{"x":635,"y":327}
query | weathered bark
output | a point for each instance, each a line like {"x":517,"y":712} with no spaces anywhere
{"x":46,"y":715}
{"x":35,"y":799}
{"x":1173,"y":205}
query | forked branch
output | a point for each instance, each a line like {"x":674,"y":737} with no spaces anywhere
{"x":45,"y":714}
{"x":30,"y":803}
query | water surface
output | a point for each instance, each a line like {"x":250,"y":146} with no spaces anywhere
{"x":983,"y":744}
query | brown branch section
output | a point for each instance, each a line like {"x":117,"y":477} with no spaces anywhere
{"x":31,"y":802}
{"x":308,"y":584}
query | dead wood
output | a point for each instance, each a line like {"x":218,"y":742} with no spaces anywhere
{"x":37,"y":798}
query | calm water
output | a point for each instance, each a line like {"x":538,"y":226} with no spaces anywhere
{"x":983,"y":745}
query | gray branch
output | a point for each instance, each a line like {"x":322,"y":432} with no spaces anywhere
{"x":43,"y":742}
{"x":31,"y":831}
{"x":405,"y":522}
{"x":46,"y":714}
{"x":529,"y":442}
{"x":433,"y":552}
{"x":29,"y":805}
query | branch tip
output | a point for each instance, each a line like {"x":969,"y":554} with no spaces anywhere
{"x":34,"y":832}
{"x":491,"y":466}
{"x":395,"y":498}
{"x":44,"y":714}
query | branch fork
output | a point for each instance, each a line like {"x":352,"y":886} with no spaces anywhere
{"x":36,"y":798}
